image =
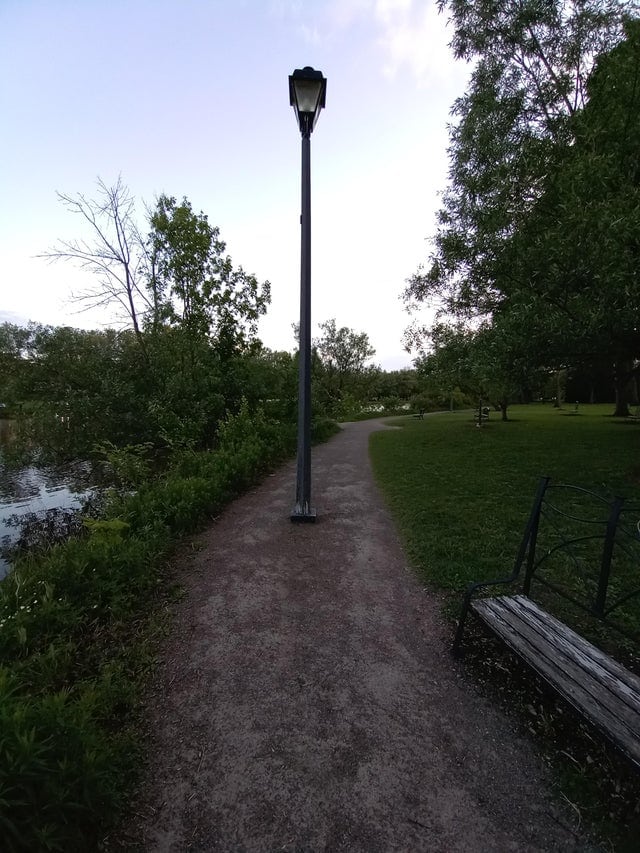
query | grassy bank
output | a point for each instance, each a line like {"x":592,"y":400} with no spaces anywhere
{"x":79,"y":626}
{"x":461,"y":496}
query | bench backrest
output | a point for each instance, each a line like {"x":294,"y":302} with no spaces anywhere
{"x":585,"y":548}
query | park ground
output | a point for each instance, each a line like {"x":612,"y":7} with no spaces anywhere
{"x":306,"y":698}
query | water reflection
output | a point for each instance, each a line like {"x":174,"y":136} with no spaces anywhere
{"x":35,"y":490}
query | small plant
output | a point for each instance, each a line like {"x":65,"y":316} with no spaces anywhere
{"x":129,"y":466}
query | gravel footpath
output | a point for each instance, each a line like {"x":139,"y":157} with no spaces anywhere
{"x":307,"y":699}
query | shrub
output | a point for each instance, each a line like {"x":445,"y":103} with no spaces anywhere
{"x":72,"y":637}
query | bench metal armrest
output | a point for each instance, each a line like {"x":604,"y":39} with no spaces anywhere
{"x":468,"y":596}
{"x":473,"y":587}
{"x":527,"y":541}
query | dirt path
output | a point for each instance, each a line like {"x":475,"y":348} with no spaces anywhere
{"x":308,"y":702}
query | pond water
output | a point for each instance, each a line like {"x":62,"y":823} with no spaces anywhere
{"x":32,"y":489}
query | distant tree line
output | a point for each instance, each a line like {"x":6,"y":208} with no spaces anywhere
{"x":187,"y":354}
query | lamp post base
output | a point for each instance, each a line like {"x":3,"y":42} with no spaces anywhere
{"x":300,"y":514}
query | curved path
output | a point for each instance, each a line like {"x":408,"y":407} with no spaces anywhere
{"x":307,"y":700}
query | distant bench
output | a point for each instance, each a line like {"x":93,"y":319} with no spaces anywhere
{"x":583,"y":549}
{"x":481,"y":414}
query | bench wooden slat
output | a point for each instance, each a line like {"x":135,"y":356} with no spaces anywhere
{"x":558,"y":643}
{"x":623,"y":683}
{"x":555,"y":647}
{"x":546,"y":651}
{"x":577,"y":686}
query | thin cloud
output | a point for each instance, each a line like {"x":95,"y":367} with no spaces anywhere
{"x":387,"y":10}
{"x":309,"y":34}
{"x":416,"y":36}
{"x":411,"y":35}
{"x":342,"y":14}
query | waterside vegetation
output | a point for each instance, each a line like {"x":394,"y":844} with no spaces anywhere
{"x":78,"y":624}
{"x":182,"y":410}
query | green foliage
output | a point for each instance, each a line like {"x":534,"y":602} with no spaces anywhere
{"x":54,"y":762}
{"x":539,"y":226}
{"x":489,"y":363}
{"x":90,"y":393}
{"x":130,"y":465}
{"x":74,"y":640}
{"x":342,"y":350}
{"x":342,"y":381}
{"x":532,"y":64}
{"x":193,"y":286}
{"x":187,"y":360}
{"x":110,"y":530}
{"x":322,"y":429}
{"x":578,"y":246}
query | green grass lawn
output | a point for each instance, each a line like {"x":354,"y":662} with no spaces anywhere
{"x":461,"y":497}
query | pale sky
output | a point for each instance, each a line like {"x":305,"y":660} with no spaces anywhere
{"x":190,"y":98}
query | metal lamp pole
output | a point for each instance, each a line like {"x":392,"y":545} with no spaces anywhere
{"x":307,"y":90}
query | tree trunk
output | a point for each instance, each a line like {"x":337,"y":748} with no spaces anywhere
{"x":503,"y":409}
{"x":559,"y":390}
{"x":622,"y":376}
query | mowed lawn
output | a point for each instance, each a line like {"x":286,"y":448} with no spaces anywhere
{"x":461,"y":495}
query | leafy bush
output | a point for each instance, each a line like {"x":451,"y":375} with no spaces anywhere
{"x":129,"y":465}
{"x":72,"y":638}
{"x":322,"y":429}
{"x":58,"y":770}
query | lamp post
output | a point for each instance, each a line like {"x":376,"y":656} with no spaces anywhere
{"x":307,"y":90}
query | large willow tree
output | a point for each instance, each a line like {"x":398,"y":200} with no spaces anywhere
{"x":519,"y":239}
{"x":532,"y":61}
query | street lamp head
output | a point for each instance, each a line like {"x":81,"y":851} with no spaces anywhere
{"x":307,"y":91}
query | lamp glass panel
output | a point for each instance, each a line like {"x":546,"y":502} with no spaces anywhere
{"x":307,"y":94}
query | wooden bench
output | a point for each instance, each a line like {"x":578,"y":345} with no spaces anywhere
{"x":582,"y":551}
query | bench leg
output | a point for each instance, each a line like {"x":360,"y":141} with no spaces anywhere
{"x":460,"y":629}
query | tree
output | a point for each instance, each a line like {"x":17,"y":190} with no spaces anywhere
{"x":578,"y":247}
{"x":540,"y":217}
{"x":177,"y":276}
{"x":340,"y":366}
{"x":14,"y":362}
{"x":115,"y":253}
{"x":193,"y":314}
{"x":205,"y":313}
{"x":487,"y":362}
{"x":81,"y":386}
{"x":533,"y":61}
{"x":192,"y":284}
{"x":343,"y":349}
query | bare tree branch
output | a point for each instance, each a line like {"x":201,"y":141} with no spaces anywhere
{"x":116,"y":255}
